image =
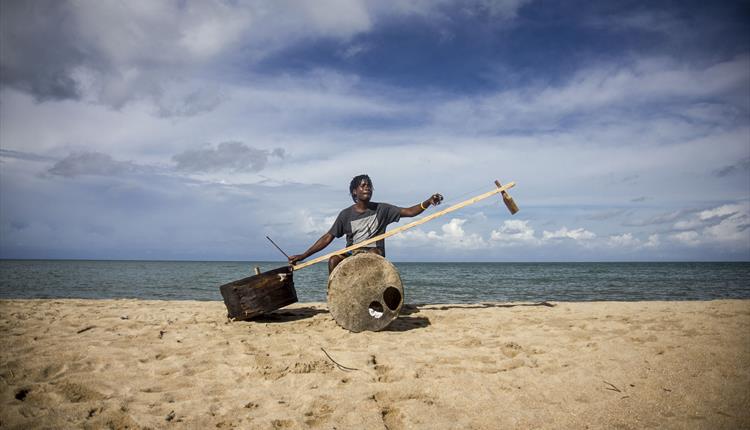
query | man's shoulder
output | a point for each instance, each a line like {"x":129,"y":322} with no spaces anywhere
{"x":346,"y":211}
{"x":384,"y":206}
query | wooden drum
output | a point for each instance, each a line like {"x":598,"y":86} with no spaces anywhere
{"x":365,"y":293}
{"x":256,"y":295}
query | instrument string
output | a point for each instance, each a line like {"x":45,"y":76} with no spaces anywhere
{"x":458,"y":199}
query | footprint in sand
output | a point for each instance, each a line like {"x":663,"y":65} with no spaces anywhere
{"x":511,"y":364}
{"x":469,"y":342}
{"x":154,"y":389}
{"x":318,"y":413}
{"x":385,"y":373}
{"x":639,"y":339}
{"x":76,"y":393}
{"x":282,"y":424}
{"x":315,"y":366}
{"x":511,"y":349}
{"x":104,"y":418}
{"x":53,"y":371}
{"x":387,"y":402}
{"x":382,"y":372}
{"x":391,"y":417}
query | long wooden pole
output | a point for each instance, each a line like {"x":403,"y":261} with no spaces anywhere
{"x":455,"y":207}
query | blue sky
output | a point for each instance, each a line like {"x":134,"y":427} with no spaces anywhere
{"x":191,"y":130}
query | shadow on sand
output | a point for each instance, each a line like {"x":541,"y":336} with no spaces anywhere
{"x":287,"y":315}
{"x":400,"y":324}
{"x":413,"y":309}
{"x":405,"y":323}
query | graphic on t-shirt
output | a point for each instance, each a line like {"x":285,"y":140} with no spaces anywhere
{"x":364,"y":228}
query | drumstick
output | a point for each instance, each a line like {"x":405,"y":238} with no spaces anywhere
{"x":277,"y":247}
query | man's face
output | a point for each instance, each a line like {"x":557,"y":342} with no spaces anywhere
{"x":363,"y":191}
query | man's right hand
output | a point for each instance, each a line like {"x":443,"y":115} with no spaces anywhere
{"x":317,"y":246}
{"x":293,"y":259}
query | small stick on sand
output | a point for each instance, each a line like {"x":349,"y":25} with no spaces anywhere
{"x":85,"y":329}
{"x":336,"y":363}
{"x":613,"y":387}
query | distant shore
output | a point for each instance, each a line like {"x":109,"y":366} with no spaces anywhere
{"x":70,"y":363}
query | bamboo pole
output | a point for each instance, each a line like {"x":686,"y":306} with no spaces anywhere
{"x":420,"y":221}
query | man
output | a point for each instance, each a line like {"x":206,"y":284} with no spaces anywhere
{"x":363,"y":220}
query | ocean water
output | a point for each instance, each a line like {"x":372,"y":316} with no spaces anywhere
{"x":423,"y":282}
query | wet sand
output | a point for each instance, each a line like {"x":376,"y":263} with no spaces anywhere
{"x":181,"y":364}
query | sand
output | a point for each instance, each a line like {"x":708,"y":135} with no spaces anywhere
{"x":181,"y":364}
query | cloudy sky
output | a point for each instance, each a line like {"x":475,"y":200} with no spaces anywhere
{"x":193,"y":129}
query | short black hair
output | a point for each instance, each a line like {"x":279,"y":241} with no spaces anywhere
{"x":355,"y":183}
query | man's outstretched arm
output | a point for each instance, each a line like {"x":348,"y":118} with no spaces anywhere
{"x":417,"y":209}
{"x":321,"y":243}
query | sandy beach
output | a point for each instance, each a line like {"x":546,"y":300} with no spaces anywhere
{"x":182,"y":364}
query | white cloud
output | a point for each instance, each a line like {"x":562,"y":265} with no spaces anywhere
{"x":734,"y":227}
{"x":505,"y":9}
{"x":514,"y":232}
{"x":653,"y":241}
{"x":453,"y":237}
{"x":722,"y":211}
{"x":354,"y":50}
{"x":91,"y":163}
{"x":687,"y":224}
{"x":310,"y":224}
{"x":579,"y":234}
{"x":115,"y":53}
{"x":607,"y":91}
{"x":642,"y":20}
{"x":349,"y":18}
{"x":690,"y":238}
{"x":625,"y":240}
{"x":727,"y":225}
{"x":233,"y":156}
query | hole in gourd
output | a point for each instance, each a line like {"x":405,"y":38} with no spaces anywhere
{"x":375,"y":309}
{"x":392,"y":298}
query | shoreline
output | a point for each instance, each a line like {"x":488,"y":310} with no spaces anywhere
{"x":155,"y":363}
{"x":324,"y":304}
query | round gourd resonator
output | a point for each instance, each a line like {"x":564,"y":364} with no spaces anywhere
{"x":365,"y":293}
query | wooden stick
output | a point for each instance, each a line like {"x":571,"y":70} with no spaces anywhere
{"x":455,"y":207}
{"x":342,"y":367}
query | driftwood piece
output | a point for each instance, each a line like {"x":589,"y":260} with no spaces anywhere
{"x":259,"y":294}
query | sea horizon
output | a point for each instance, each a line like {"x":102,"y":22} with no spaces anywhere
{"x":389,"y":259}
{"x":423,"y":282}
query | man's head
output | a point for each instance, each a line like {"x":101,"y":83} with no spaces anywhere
{"x":360,"y":188}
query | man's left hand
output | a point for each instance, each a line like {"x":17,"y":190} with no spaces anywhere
{"x":436,"y":199}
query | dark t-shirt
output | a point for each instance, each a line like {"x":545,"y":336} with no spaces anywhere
{"x":362,"y":226}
